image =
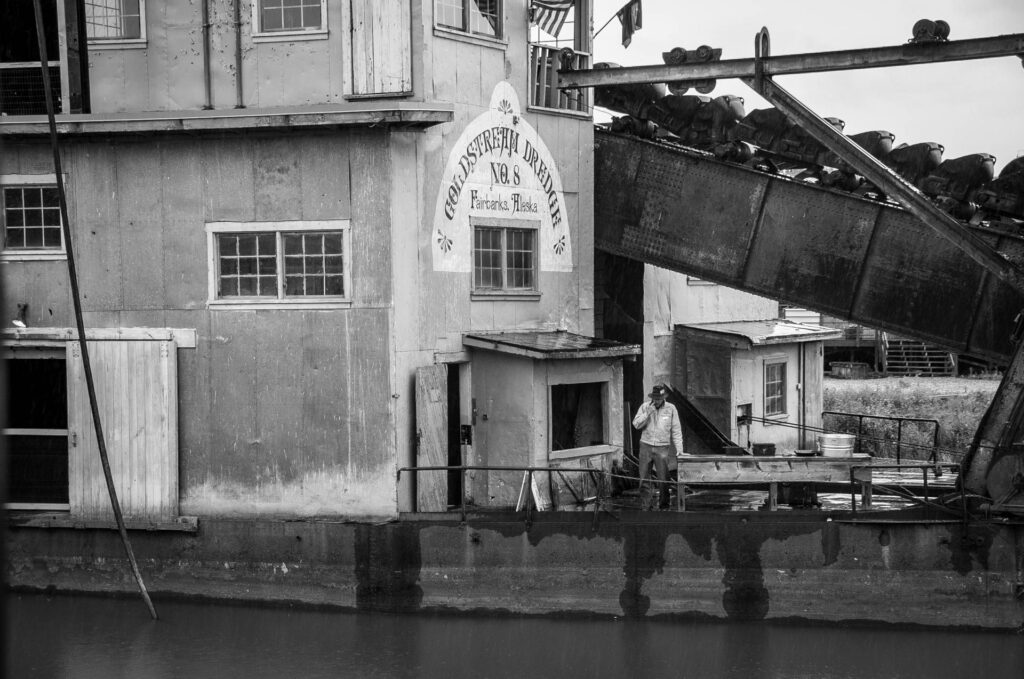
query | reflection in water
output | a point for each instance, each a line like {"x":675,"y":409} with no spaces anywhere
{"x":91,"y":637}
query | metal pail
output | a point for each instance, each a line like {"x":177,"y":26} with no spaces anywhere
{"x":836,"y":445}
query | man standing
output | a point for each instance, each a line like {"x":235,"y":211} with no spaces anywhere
{"x":661,"y":439}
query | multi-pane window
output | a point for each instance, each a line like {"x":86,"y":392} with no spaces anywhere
{"x":775,"y":388}
{"x":31,"y":218}
{"x":115,"y":19}
{"x":278,"y":262}
{"x":290,"y":15}
{"x":281,"y":265}
{"x":504,"y":258}
{"x":479,"y":17}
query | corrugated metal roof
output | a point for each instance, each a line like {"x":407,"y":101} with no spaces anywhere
{"x":550,"y":345}
{"x":774,"y":331}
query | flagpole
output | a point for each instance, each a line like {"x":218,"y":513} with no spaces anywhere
{"x":606,"y":24}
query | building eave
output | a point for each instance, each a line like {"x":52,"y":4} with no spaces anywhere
{"x":352,"y":114}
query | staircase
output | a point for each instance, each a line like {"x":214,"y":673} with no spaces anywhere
{"x":905,"y":357}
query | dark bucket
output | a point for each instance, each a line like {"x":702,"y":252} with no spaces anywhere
{"x":764,"y":449}
{"x":734,"y":450}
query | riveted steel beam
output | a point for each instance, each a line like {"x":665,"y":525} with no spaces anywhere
{"x":811,"y":62}
{"x":889,"y":182}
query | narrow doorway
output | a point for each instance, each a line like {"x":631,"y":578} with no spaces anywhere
{"x":36,"y":431}
{"x":455,"y":477}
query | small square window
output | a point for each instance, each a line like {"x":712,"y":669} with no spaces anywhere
{"x":115,"y":20}
{"x":31,"y":216}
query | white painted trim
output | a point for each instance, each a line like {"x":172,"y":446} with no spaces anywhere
{"x":14,"y":255}
{"x":96,"y":44}
{"x":184,"y":338}
{"x":264,"y":304}
{"x":35,"y":432}
{"x":473,"y":38}
{"x":42,"y":179}
{"x":258,"y":227}
{"x":44,"y":506}
{"x":290,"y":36}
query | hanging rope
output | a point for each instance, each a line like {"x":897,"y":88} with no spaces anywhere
{"x":77,"y":302}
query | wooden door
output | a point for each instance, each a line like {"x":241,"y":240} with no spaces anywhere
{"x":381,"y":47}
{"x":136,"y":390}
{"x":432,"y":437}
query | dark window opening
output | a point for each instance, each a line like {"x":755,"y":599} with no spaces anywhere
{"x":577,"y":415}
{"x":36,"y":433}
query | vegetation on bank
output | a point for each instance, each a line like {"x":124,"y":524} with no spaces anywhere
{"x":956,"y":403}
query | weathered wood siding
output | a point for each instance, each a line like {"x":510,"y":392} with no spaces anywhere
{"x":166,"y":73}
{"x":281,"y":411}
{"x":380,"y":52}
{"x":136,"y":387}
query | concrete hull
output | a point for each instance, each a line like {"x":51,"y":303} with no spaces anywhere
{"x":739,"y":566}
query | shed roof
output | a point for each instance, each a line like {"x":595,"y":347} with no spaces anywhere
{"x":758,"y":333}
{"x":552,"y":344}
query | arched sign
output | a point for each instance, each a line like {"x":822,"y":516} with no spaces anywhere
{"x":500,"y":168}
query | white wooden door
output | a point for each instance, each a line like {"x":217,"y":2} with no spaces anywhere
{"x":381,"y":47}
{"x":136,"y":389}
{"x":432,"y":437}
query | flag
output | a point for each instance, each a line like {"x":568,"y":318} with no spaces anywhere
{"x":631,"y":16}
{"x":550,"y":14}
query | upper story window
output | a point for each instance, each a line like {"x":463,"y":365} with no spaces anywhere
{"x":293,"y":264}
{"x":774,"y":388}
{"x":115,"y":21}
{"x":31,"y":217}
{"x":504,"y":258}
{"x":288,"y":19}
{"x":559,"y":38}
{"x":476,"y":17}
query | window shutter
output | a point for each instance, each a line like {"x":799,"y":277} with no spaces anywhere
{"x":381,"y":49}
{"x":136,"y":387}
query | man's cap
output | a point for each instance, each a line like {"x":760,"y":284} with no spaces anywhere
{"x":659,"y":390}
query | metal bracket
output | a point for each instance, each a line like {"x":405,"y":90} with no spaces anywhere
{"x":888,"y":181}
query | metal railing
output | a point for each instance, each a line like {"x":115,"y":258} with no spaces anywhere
{"x":936,"y":467}
{"x":860,"y":417}
{"x":544,"y":64}
{"x":527,"y":497}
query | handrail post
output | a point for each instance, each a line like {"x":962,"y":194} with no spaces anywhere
{"x":462,"y":493}
{"x":860,"y":429}
{"x":899,"y":438}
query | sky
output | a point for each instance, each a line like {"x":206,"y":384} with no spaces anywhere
{"x":969,"y":107}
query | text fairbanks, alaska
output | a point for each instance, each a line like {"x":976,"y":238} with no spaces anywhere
{"x":498,"y":142}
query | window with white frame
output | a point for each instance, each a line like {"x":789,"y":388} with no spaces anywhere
{"x":272,"y":18}
{"x":774,"y":388}
{"x":504,"y":257}
{"x":31,"y":217}
{"x":475,"y":17}
{"x":115,"y":20}
{"x":279,"y":263}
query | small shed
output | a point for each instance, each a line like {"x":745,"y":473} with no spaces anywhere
{"x":757,"y":381}
{"x":544,"y":399}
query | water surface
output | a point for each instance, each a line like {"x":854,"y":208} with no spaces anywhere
{"x":96,"y":637}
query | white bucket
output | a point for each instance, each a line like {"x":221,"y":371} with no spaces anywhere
{"x":836,"y":445}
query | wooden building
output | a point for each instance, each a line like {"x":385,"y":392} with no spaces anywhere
{"x":287,"y":219}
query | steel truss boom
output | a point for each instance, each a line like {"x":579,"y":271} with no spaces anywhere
{"x":994,"y":466}
{"x":811,"y":62}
